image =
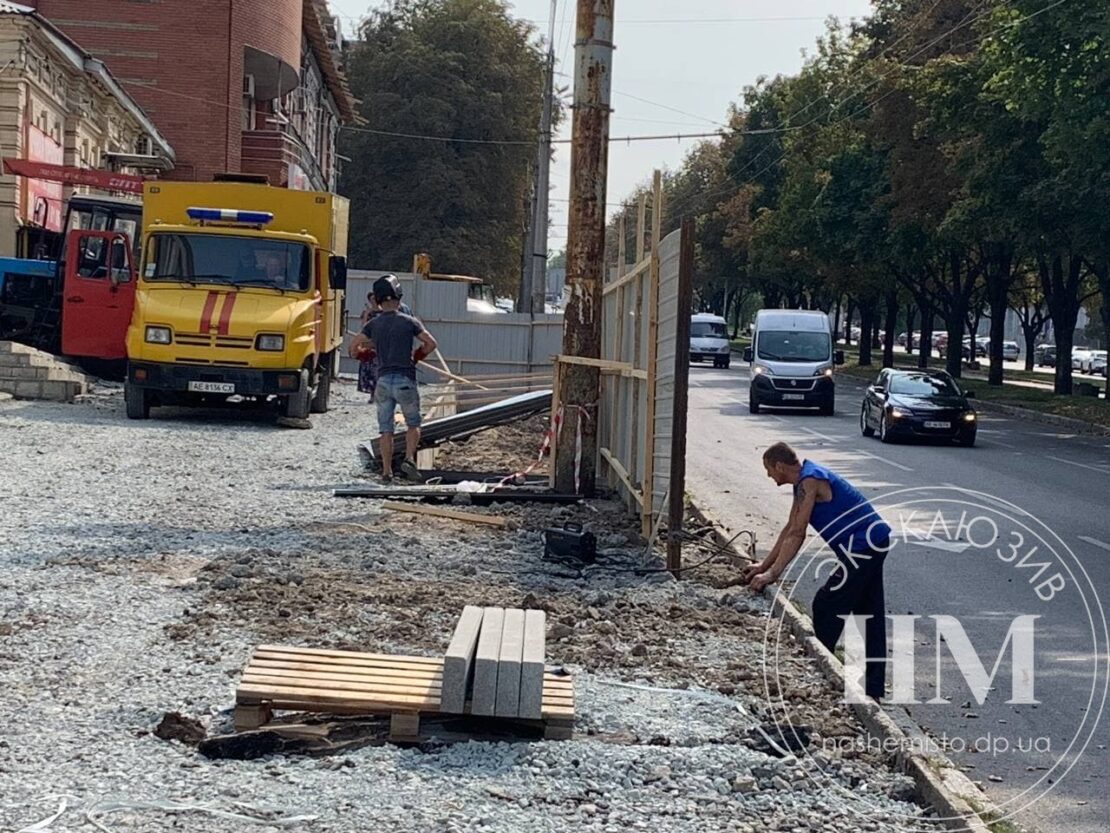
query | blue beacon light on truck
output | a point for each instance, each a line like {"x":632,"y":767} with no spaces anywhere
{"x":231,"y":215}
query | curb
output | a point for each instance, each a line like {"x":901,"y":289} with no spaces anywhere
{"x":937,"y":780}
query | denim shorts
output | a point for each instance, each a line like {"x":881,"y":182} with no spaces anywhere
{"x":397,"y":389}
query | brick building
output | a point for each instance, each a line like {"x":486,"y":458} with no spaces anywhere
{"x":59,"y":106}
{"x":235,"y":85}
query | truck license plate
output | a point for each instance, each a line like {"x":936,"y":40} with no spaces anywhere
{"x":938,"y":424}
{"x":212,"y":387}
{"x":794,"y":396}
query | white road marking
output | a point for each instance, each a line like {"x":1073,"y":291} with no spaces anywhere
{"x":993,"y":441}
{"x":884,"y":460}
{"x":1080,"y":465}
{"x":819,"y":435}
{"x":1094,"y":541}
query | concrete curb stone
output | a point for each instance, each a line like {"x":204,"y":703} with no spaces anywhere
{"x":937,"y":780}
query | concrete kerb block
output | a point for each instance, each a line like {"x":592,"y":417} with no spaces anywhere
{"x":532,"y":664}
{"x":26,"y":390}
{"x":508,"y":666}
{"x":458,"y":662}
{"x":15,"y":347}
{"x":936,"y":779}
{"x":483,"y":700}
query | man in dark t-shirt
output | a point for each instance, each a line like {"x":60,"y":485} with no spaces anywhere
{"x":391,"y":334}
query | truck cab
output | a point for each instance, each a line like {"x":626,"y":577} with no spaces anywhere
{"x":240,"y":293}
{"x":791,"y":361}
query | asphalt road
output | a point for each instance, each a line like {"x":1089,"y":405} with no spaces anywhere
{"x":1059,"y":479}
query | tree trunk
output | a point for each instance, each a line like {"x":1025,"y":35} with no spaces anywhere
{"x":836,"y":321}
{"x":1030,"y":345}
{"x":1061,"y":284}
{"x":848,"y":322}
{"x":866,"y":325}
{"x":911,"y":315}
{"x":891,"y":323}
{"x":1102,"y":273}
{"x":925,"y":348}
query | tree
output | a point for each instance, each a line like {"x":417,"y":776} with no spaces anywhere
{"x":462,"y":69}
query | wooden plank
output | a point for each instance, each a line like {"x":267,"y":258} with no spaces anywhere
{"x":451,"y":514}
{"x":631,"y":275}
{"x":603,"y":364}
{"x":622,"y":473}
{"x":458,"y":662}
{"x":648,"y":505}
{"x":328,"y":652}
{"x":246,"y":718}
{"x":278,"y":684}
{"x":352,"y":671}
{"x":250,"y":693}
{"x":404,"y":727}
{"x":354,"y":665}
{"x":641,"y":227}
{"x":508,"y":664}
{"x":531,"y":667}
{"x":484,"y":694}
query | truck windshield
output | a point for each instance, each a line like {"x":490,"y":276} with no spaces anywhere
{"x":787,"y":346}
{"x":238,"y":261}
{"x":707,"y":329}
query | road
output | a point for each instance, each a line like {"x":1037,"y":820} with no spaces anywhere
{"x":1062,"y":480}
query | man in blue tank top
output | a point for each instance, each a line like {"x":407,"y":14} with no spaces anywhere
{"x":858,"y":536}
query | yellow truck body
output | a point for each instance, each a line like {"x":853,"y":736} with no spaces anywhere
{"x":240,"y":292}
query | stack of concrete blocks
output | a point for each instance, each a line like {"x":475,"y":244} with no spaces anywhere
{"x":27,"y":373}
{"x":496,"y":662}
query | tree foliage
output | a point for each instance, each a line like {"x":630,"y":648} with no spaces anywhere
{"x":463,"y":69}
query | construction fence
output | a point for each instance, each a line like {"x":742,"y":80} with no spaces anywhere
{"x":644,"y":365}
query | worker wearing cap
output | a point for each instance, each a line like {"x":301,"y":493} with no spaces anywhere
{"x":390,"y":334}
{"x":859,"y":538}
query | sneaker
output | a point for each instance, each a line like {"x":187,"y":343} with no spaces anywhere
{"x":386,"y":479}
{"x":411,"y":472}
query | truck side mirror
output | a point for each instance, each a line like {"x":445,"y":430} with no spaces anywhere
{"x":119,"y":261}
{"x":838,"y":357}
{"x":747,"y":354}
{"x":337,"y":272}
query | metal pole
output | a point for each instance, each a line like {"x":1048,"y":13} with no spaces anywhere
{"x":576,"y":461}
{"x":543,"y":177}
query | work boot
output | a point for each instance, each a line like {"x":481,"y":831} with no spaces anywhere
{"x":411,"y":472}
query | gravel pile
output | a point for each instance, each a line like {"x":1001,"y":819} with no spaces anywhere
{"x":140,"y":562}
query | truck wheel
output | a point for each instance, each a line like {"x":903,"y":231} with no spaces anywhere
{"x":828,"y":408}
{"x":727,"y":362}
{"x":753,"y":404}
{"x":137,"y":401}
{"x":298,"y":405}
{"x":323,"y":384}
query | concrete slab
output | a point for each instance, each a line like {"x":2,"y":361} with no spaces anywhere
{"x":458,"y":662}
{"x":508,"y":668}
{"x":484,"y":696}
{"x":533,"y":658}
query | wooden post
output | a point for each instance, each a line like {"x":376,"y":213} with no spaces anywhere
{"x":589,"y":161}
{"x":634,"y":386}
{"x":556,"y":403}
{"x":618,"y":383}
{"x":677,"y":507}
{"x":653,"y":355}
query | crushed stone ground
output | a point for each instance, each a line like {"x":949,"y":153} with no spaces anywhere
{"x":140,"y":563}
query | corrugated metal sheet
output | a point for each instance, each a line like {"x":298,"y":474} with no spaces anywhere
{"x":665,"y":371}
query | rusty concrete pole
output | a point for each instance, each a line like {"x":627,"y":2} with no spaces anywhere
{"x":576,"y":460}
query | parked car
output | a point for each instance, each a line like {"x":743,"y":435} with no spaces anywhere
{"x":709,"y":340}
{"x":918,"y":403}
{"x":1011,"y":352}
{"x":1098,"y":365}
{"x":1078,"y":356}
{"x":1088,"y":364}
{"x":1044,"y":355}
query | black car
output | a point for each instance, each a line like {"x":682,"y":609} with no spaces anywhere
{"x":917,"y":403}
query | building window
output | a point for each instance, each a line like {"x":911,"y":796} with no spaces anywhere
{"x":248,"y":103}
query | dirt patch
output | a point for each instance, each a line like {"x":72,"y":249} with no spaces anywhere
{"x":505,"y":449}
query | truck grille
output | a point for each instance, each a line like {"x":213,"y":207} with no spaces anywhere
{"x":793,"y":384}
{"x":205,"y":340}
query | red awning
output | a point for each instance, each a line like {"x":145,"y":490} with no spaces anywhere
{"x":107,"y":180}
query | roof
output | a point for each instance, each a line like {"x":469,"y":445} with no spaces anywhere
{"x":317,"y":22}
{"x":84,"y":62}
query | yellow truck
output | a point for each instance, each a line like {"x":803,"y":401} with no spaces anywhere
{"x":240,"y":293}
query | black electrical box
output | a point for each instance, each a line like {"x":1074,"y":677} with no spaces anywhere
{"x":569,"y":542}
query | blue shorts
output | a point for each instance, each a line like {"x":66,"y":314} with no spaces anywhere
{"x":397,"y":389}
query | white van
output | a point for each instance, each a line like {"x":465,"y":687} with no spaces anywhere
{"x":709,"y":340}
{"x":791,"y":359}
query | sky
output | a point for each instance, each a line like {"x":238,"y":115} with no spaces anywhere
{"x":677,"y":67}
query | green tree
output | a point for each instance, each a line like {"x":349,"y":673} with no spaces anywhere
{"x":463,"y":69}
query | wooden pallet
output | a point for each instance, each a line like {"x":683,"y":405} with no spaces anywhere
{"x":346,"y":682}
